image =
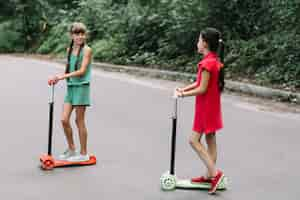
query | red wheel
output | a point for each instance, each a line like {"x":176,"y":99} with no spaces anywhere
{"x":93,"y":159}
{"x":48,"y":164}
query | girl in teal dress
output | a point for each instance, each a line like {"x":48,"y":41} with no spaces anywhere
{"x":78,"y":76}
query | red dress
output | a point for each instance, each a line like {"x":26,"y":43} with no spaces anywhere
{"x":208,"y":115}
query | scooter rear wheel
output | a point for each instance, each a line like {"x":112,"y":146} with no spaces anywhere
{"x":48,"y":165}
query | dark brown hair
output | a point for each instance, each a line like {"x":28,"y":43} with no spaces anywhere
{"x":215,"y":44}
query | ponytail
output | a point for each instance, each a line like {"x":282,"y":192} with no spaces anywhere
{"x":215,"y":44}
{"x":222,"y":72}
{"x":78,"y":54}
{"x":67,"y":70}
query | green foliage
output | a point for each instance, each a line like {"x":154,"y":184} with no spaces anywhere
{"x":32,"y":16}
{"x":240,"y":19}
{"x":7,"y":9}
{"x":109,"y":49}
{"x":10,"y":39}
{"x":286,"y":13}
{"x":271,"y":59}
{"x":262,"y":37}
{"x":57,"y":40}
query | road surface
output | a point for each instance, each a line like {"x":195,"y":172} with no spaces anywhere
{"x":129,"y":130}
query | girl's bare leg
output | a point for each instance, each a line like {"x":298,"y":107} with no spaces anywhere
{"x":65,"y":120}
{"x":80,"y":121}
{"x":212,"y":146}
{"x":195,"y":141}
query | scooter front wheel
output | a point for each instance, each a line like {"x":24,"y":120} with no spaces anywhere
{"x":47,"y":162}
{"x":168,"y":182}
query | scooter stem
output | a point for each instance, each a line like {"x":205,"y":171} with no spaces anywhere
{"x":51,"y":105}
{"x":173,"y":145}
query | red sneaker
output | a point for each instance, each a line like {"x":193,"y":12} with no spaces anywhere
{"x":215,"y":181}
{"x":200,"y":179}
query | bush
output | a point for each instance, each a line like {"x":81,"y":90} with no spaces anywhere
{"x":163,"y":33}
{"x":271,"y":59}
{"x":10,"y":39}
{"x":110,"y":49}
{"x":57,"y":40}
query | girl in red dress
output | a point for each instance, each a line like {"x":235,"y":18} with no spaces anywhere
{"x":208,"y":116}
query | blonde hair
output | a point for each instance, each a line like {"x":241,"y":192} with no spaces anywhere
{"x":78,"y":27}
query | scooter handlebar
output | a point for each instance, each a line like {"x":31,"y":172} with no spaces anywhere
{"x":52,"y":93}
{"x":175,"y":107}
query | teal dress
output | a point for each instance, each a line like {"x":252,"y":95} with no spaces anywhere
{"x":78,"y":88}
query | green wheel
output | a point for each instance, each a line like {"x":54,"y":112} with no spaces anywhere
{"x":168,"y":182}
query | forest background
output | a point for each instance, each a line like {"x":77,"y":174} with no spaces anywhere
{"x":262,"y":37}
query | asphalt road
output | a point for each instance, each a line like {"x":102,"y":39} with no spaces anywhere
{"x":129,"y":129}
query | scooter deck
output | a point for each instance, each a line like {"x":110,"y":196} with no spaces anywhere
{"x":64,"y":163}
{"x":187,"y":184}
{"x":48,"y":162}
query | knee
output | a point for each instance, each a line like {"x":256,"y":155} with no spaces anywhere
{"x":193,"y":142}
{"x":79,"y":121}
{"x":65,"y":122}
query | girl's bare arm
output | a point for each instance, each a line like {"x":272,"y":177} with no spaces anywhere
{"x":189,"y":87}
{"x":201,"y":89}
